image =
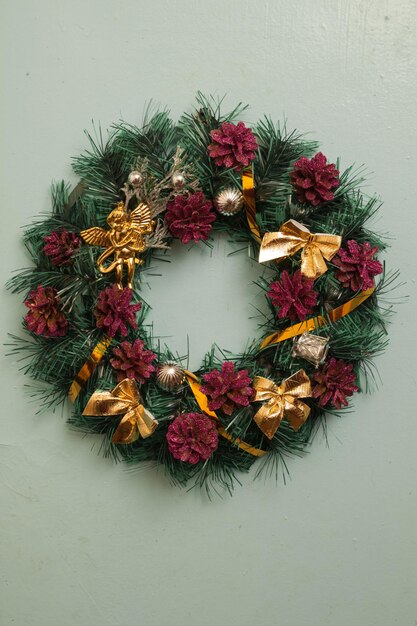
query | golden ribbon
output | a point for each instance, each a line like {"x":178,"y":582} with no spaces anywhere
{"x":292,"y":237}
{"x":248,"y":189}
{"x":88,"y":367}
{"x":282,"y":401}
{"x":315,"y":322}
{"x":202,"y":402}
{"x":125,"y":398}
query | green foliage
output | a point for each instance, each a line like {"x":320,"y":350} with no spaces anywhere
{"x":103,"y":170}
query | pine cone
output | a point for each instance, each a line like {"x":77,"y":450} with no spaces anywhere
{"x":189,"y":217}
{"x":293,"y":296}
{"x":192,"y":437}
{"x":114,"y":311}
{"x":313,"y":179}
{"x":60,"y":246}
{"x":233,"y":145}
{"x":227,"y":389}
{"x":45,"y":316}
{"x":133,"y":360}
{"x":356,"y":266}
{"x":335,"y":381}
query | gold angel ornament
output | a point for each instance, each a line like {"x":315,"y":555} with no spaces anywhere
{"x":123,"y":242}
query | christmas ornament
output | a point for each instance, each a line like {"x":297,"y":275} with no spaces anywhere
{"x":311,"y":348}
{"x":192,"y":437}
{"x":115,"y":312}
{"x":227,"y":389}
{"x":229,"y":201}
{"x":135,"y":179}
{"x":170,"y":376}
{"x":123,"y":241}
{"x":82,"y":333}
{"x":357,"y":267}
{"x":125,"y":400}
{"x":333,"y":383}
{"x":281,"y":401}
{"x":132,"y":360}
{"x":45,"y":316}
{"x":189,"y":217}
{"x":61,"y":246}
{"x":293,"y":296}
{"x":178,"y":180}
{"x":313,"y":179}
{"x":233,"y":145}
{"x":292,"y":237}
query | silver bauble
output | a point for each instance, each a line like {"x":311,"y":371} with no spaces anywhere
{"x":178,"y":180}
{"x":228,"y":201}
{"x":135,"y":178}
{"x":170,"y":376}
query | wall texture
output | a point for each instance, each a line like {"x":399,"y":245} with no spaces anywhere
{"x":85,"y":542}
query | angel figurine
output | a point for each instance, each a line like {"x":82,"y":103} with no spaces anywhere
{"x":123,"y":241}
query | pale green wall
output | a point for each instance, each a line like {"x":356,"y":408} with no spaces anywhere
{"x":86,"y":543}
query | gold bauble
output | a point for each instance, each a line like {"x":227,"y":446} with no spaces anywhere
{"x":135,"y":178}
{"x":228,"y":201}
{"x":178,"y":180}
{"x":170,"y":376}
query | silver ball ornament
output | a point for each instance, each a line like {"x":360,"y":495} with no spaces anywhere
{"x":178,"y":180}
{"x":228,"y":201}
{"x":135,"y":178}
{"x":170,"y":376}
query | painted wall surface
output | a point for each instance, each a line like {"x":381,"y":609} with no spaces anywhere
{"x":85,"y":542}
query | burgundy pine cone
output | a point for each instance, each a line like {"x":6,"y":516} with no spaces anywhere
{"x":293,"y":296}
{"x":357,"y":267}
{"x":133,"y":360}
{"x":60,"y":246}
{"x":227,"y":389}
{"x":192,"y":437}
{"x":333,"y":383}
{"x":313,"y":179}
{"x":232,"y":146}
{"x":45,"y":316}
{"x":189,"y":217}
{"x":114,"y":311}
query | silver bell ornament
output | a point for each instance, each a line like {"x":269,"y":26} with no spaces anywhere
{"x":228,"y":201}
{"x":170,"y":376}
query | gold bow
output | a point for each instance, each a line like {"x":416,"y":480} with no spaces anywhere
{"x":292,"y":237}
{"x":125,"y":398}
{"x":282,"y":401}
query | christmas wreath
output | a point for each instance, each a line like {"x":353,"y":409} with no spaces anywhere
{"x":86,"y":335}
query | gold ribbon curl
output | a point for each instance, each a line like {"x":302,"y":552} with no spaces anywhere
{"x":292,"y":237}
{"x":248,"y":190}
{"x":202,"y":402}
{"x":125,"y":398}
{"x":282,"y":401}
{"x":316,"y":322}
{"x":88,"y":368}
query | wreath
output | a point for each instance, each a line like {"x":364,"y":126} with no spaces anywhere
{"x":86,"y":335}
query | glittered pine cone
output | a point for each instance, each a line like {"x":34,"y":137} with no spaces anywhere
{"x":192,"y":437}
{"x":357,"y":267}
{"x":293,"y":296}
{"x":227,"y":389}
{"x":233,"y":145}
{"x":114,"y":311}
{"x":189,"y":217}
{"x":133,"y":360}
{"x":60,"y":246}
{"x":313,"y":179}
{"x":45,"y":316}
{"x":333,"y":383}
